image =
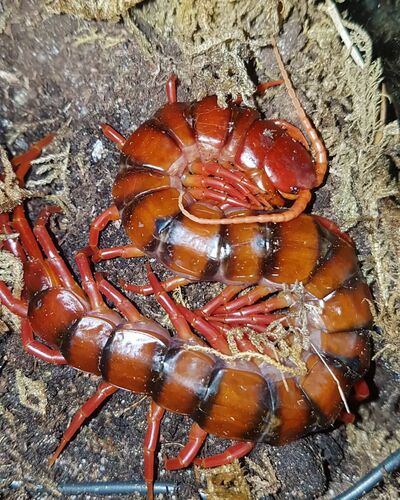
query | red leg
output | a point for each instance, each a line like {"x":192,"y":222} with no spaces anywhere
{"x":228,"y":456}
{"x":87,"y":281}
{"x":185,"y":457}
{"x":36,"y":348}
{"x":125,"y":252}
{"x":171,"y":88}
{"x":262,"y":87}
{"x":96,"y":226}
{"x":22,"y":163}
{"x":209,"y":332}
{"x":247,"y":299}
{"x":222,"y":298}
{"x":113,"y":135}
{"x":208,"y":194}
{"x":346,"y":418}
{"x":272,"y":304}
{"x":100,"y":222}
{"x":103,"y":392}
{"x":13,"y":304}
{"x":50,"y":250}
{"x":169,"y":285}
{"x":237,"y":178}
{"x":121,"y":303}
{"x":29,"y":243}
{"x":154,"y":417}
{"x":262,"y":319}
{"x":201,"y":181}
{"x":361,"y":390}
{"x":177,"y":319}
{"x":334,"y":228}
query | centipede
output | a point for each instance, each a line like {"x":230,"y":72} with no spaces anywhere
{"x":200,"y":191}
{"x":249,"y":397}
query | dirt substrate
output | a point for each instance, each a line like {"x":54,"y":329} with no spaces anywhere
{"x":61,"y":72}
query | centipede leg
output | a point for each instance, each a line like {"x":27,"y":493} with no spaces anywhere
{"x":103,"y":392}
{"x":271,"y":304}
{"x":171,"y":87}
{"x":361,"y":390}
{"x":180,"y":316}
{"x":221,"y":299}
{"x":124,"y":305}
{"x":96,"y":226}
{"x":247,"y":299}
{"x":168,"y":285}
{"x":29,"y":243}
{"x":49,"y":248}
{"x":22,"y":162}
{"x":36,"y":348}
{"x":154,"y":417}
{"x":234,"y":321}
{"x":205,"y":328}
{"x":235,"y":451}
{"x":205,"y":181}
{"x":176,"y":317}
{"x":187,"y":454}
{"x":88,"y":283}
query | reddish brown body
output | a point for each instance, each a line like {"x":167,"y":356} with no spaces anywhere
{"x":140,"y":356}
{"x":159,"y":161}
{"x":232,"y":399}
{"x":235,"y":399}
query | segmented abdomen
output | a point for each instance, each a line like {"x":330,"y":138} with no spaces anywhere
{"x":231,"y":399}
{"x":241,"y":399}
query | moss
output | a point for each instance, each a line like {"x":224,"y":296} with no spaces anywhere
{"x":101,"y":10}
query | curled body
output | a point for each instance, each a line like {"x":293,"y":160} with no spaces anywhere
{"x":235,"y":399}
{"x":232,"y":397}
{"x":193,"y":155}
{"x":187,"y":195}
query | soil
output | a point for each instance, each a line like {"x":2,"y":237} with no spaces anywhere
{"x":60,"y":72}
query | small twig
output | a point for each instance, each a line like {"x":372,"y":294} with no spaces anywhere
{"x":382,"y":114}
{"x":381,"y":351}
{"x":344,"y":34}
{"x":132,"y":406}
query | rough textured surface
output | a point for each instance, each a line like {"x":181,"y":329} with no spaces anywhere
{"x":59,"y":72}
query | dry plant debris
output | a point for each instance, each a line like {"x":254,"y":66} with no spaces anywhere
{"x":11,"y":195}
{"x":262,"y":478}
{"x":101,"y":10}
{"x":32,"y":393}
{"x":11,"y":273}
{"x":227,"y":482}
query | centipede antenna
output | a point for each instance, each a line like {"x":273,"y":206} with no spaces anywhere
{"x":321,"y":158}
{"x":343,"y":397}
